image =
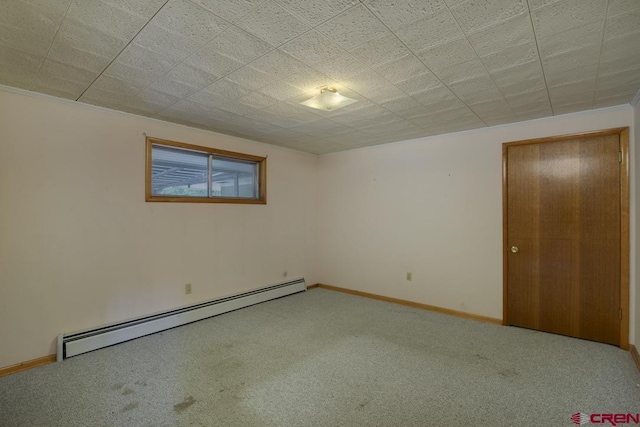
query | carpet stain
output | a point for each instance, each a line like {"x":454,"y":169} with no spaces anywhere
{"x":481,"y":357}
{"x":508,"y":373}
{"x":143,"y":384}
{"x":117,"y":386}
{"x":362,"y":405}
{"x":179,"y":407}
{"x":130,"y":407}
{"x":127,"y":391}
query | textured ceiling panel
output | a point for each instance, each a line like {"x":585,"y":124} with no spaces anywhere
{"x":242,"y":67}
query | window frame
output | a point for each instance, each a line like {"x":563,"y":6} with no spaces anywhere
{"x":261,"y":175}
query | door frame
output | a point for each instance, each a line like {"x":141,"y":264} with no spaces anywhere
{"x":623,"y":133}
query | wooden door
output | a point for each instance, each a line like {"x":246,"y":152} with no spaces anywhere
{"x":564,"y":237}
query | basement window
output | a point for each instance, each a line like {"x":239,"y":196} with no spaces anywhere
{"x":178,"y":172}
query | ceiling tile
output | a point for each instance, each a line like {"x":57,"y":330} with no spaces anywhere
{"x":174,"y":47}
{"x":279,"y":63}
{"x":251,"y":78}
{"x":84,"y":38}
{"x":212,"y":62}
{"x":534,"y":114}
{"x":619,"y":65}
{"x":237,"y":44}
{"x":258,"y":100}
{"x":134,"y":75}
{"x":366,"y":81}
{"x":527,"y":101}
{"x":316,"y":12}
{"x":86,"y":60}
{"x":281,"y":91}
{"x":227,"y":89}
{"x":571,"y":39}
{"x":572,"y":93}
{"x":342,"y":66}
{"x":430,"y":31}
{"x":419,"y":83}
{"x":181,"y":83}
{"x":143,"y":8}
{"x":403,"y":69}
{"x":572,"y":108}
{"x":312,"y":48}
{"x":510,"y":57}
{"x":63,"y":80}
{"x":114,"y":85}
{"x":621,"y":48}
{"x":537,"y":4}
{"x":474,"y":15}
{"x":512,"y":32}
{"x":473,"y":91}
{"x":492,"y":110}
{"x":617,"y":7}
{"x":621,"y":80}
{"x":353,"y":27}
{"x":613,"y":100}
{"x":622,"y":25}
{"x":307,"y":80}
{"x":105,"y":18}
{"x":381,"y":50}
{"x":144,"y":59}
{"x":565,"y":14}
{"x":439,"y":98}
{"x":527,"y":75}
{"x":292,"y":111}
{"x":406,"y":106}
{"x":188,"y":20}
{"x":105,"y":97}
{"x":188,"y":75}
{"x":231,"y":10}
{"x":386,"y":94}
{"x":42,"y":18}
{"x":568,"y":60}
{"x":588,"y":72}
{"x":157,"y":98}
{"x":463,"y":71}
{"x":444,"y":56}
{"x":18,"y":68}
{"x":398,"y":13}
{"x":273,"y":24}
{"x":26,"y":41}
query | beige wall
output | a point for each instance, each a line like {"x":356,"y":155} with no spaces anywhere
{"x":431,"y":206}
{"x":79,"y":247}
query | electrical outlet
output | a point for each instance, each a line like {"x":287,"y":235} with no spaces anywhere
{"x":409,"y":276}
{"x":187,"y":288}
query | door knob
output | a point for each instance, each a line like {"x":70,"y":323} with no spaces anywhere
{"x":514,"y":249}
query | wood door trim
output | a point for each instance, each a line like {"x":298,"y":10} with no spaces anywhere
{"x":605,"y":132}
{"x":623,"y":133}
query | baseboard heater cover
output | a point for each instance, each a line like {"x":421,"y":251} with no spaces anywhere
{"x":77,"y":343}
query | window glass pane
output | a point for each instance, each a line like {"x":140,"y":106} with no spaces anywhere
{"x":234,"y":178}
{"x":178,"y":172}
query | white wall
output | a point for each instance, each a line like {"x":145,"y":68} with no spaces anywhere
{"x":79,"y":247}
{"x":432,"y":206}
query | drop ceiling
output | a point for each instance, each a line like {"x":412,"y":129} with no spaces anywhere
{"x":242,"y":67}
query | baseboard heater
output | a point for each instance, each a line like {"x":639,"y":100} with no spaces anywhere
{"x":82,"y":342}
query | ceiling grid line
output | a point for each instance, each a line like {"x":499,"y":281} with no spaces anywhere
{"x":122,"y":50}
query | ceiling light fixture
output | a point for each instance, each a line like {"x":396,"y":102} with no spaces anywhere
{"x":328,"y":99}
